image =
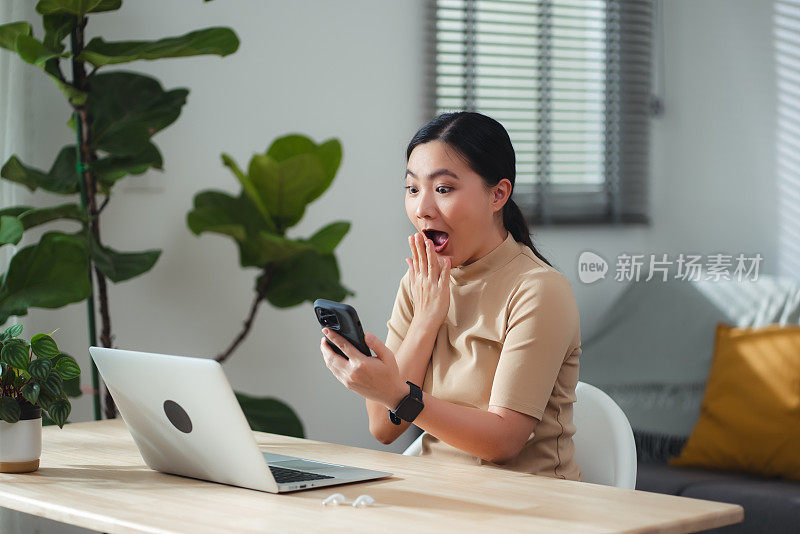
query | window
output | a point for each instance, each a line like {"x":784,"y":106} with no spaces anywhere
{"x":570,"y":81}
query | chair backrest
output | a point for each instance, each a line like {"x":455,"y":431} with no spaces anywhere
{"x":604,"y":444}
{"x":415,"y":449}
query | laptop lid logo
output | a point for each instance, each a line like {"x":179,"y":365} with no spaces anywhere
{"x":177,"y":416}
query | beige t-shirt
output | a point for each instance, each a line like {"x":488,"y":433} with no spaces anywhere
{"x":511,"y":338}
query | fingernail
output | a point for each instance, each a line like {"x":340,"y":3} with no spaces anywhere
{"x":325,"y":331}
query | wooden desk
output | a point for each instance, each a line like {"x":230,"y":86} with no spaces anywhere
{"x":92,"y":475}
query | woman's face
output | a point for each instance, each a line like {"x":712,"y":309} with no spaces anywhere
{"x":444,"y":194}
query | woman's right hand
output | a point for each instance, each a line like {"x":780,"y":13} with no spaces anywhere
{"x":430,"y":281}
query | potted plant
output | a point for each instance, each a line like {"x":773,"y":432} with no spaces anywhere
{"x":32,"y":381}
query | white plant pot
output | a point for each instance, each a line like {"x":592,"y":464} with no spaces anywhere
{"x":21,"y":443}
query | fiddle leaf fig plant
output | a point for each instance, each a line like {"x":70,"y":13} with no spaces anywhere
{"x":114,"y":115}
{"x":276,"y":189}
{"x":35,"y":373}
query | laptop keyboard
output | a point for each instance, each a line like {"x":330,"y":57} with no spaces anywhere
{"x":282,"y":475}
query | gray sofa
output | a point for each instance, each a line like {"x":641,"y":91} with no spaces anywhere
{"x":651,"y":352}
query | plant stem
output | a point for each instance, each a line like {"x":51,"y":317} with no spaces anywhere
{"x":84,"y":204}
{"x":86,"y":157}
{"x":261,"y":290}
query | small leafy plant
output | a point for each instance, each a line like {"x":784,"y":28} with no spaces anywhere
{"x":37,"y":373}
{"x":276,"y":189}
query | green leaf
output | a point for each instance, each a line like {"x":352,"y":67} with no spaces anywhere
{"x":307,"y":276}
{"x":9,"y":410}
{"x":327,"y":238}
{"x":52,"y":386}
{"x":218,"y":41}
{"x":45,"y":398}
{"x":67,"y":367}
{"x":249,"y":190}
{"x":44,"y":346}
{"x":15,"y":354}
{"x":18,"y":37}
{"x":59,"y":411}
{"x":49,"y":274}
{"x":40,"y":368}
{"x":10,"y":230}
{"x":30,"y":392}
{"x":121,"y":266}
{"x":56,"y":28}
{"x":293,"y":172}
{"x":290,"y":145}
{"x":328,"y":153}
{"x":266,"y":414}
{"x":218,"y":212}
{"x":76,"y":7}
{"x":274,"y":248}
{"x":11,"y":332}
{"x":112,"y":168}
{"x":72,"y":387}
{"x":286,"y":187}
{"x":36,"y":217}
{"x":35,"y":52}
{"x":10,"y":32}
{"x":128,"y":109}
{"x":62,"y":177}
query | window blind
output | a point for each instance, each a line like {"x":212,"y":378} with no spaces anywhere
{"x":570,"y":82}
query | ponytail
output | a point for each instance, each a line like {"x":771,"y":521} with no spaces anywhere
{"x":514,"y":222}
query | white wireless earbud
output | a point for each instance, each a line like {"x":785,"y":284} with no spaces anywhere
{"x":335,"y":499}
{"x":363,"y":500}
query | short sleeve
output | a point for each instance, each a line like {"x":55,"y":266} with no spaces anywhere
{"x":542,"y":322}
{"x":402,"y":313}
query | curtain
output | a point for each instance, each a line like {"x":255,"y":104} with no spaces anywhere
{"x":570,"y":81}
{"x":15,"y":84}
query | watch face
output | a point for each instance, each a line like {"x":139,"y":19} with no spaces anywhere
{"x":409,"y":408}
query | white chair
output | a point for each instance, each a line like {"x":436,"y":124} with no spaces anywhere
{"x":415,"y":448}
{"x":604,"y":445}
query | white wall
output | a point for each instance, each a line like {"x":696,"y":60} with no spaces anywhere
{"x":354,"y":70}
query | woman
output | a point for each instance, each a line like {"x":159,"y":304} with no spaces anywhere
{"x":494,"y":341}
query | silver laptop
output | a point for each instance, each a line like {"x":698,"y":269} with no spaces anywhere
{"x":185,"y":419}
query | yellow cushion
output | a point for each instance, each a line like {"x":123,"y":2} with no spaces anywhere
{"x":750,"y":414}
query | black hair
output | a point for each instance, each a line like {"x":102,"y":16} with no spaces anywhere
{"x":485,"y":146}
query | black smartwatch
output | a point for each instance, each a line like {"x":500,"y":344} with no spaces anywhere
{"x":409,"y":406}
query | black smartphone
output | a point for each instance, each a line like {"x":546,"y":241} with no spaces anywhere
{"x":342,"y":319}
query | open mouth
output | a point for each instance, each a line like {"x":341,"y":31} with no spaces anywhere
{"x":439,"y":238}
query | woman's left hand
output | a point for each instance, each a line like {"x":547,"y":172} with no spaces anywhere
{"x":377,"y":379}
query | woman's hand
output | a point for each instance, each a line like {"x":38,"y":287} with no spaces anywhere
{"x":430,"y":280}
{"x":377,"y":379}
